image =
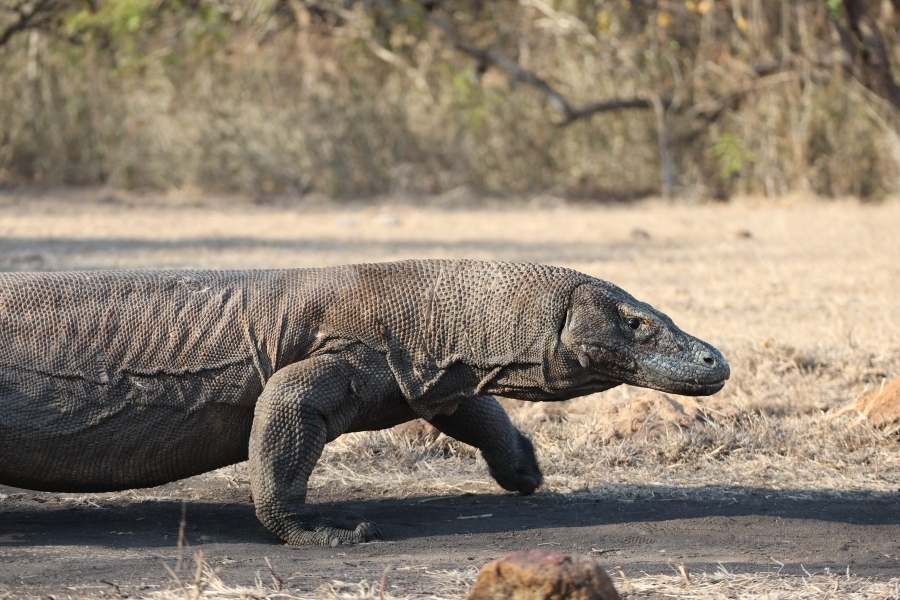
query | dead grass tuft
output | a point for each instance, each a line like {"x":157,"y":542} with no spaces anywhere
{"x":721,"y":584}
{"x":724,"y":584}
{"x":206,"y":582}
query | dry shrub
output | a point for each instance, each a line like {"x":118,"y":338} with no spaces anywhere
{"x":288,"y":113}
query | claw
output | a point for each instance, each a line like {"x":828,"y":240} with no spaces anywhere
{"x":363,"y":532}
{"x":366,"y":532}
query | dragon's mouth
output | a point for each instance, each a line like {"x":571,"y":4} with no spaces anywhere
{"x":702,"y":384}
{"x":701,"y":389}
{"x":705,"y":375}
{"x":689,"y":388}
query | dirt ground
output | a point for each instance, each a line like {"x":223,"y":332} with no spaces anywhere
{"x":762,"y":489}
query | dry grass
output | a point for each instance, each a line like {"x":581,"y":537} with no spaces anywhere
{"x":719,"y":584}
{"x":723,"y":584}
{"x":204,"y":581}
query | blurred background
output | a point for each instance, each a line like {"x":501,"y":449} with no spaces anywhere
{"x":588,"y":100}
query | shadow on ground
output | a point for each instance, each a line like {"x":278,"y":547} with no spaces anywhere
{"x":29,"y":518}
{"x":50,"y":543}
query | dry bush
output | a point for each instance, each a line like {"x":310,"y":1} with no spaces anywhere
{"x":261,"y":107}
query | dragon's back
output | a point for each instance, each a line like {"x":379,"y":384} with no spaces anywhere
{"x":94,"y":326}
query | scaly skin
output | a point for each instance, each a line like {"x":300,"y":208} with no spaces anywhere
{"x":119,"y":380}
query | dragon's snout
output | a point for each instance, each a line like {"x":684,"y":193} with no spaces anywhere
{"x":711,"y":360}
{"x":709,"y":371}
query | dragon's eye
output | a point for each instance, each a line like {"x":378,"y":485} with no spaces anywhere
{"x":634,"y":323}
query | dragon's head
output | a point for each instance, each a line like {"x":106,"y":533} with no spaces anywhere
{"x":617,"y":338}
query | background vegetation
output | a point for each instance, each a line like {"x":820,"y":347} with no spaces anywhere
{"x":587,"y":99}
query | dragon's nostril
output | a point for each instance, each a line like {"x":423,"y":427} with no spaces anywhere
{"x":708,"y":359}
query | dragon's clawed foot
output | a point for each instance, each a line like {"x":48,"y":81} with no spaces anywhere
{"x":363,"y":532}
{"x":330,"y":533}
{"x":521,"y":474}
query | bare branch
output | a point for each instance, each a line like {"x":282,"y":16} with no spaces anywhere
{"x":594,"y":108}
{"x":706,"y":114}
{"x":29,"y":15}
{"x":490,"y":57}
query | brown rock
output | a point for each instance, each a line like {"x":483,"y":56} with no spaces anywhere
{"x":880,"y":408}
{"x":541,"y":575}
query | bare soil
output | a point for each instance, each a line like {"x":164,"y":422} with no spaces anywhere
{"x":766,"y":479}
{"x":90,"y":546}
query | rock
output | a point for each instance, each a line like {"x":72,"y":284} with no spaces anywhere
{"x":542,"y":575}
{"x":880,"y":408}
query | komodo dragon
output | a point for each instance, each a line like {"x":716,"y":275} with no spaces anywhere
{"x":117,"y":380}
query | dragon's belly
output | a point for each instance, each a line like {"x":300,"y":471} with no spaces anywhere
{"x":72,"y":434}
